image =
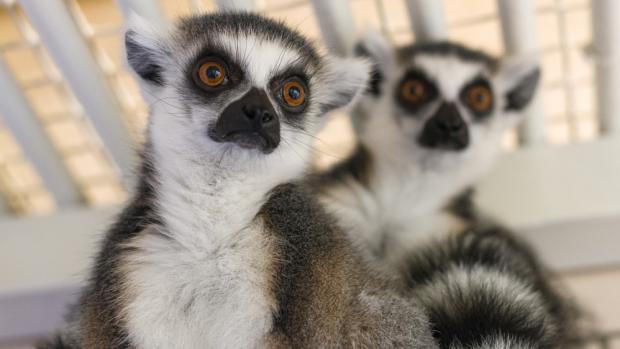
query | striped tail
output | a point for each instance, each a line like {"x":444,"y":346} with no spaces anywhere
{"x":486,"y":289}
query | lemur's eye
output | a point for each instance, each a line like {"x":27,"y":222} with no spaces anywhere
{"x":212,"y":73}
{"x":294,"y":93}
{"x":413,"y":91}
{"x":479,"y":98}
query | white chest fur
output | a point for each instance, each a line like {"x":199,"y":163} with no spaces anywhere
{"x":404,"y":206}
{"x":203,"y":281}
{"x":199,"y":298}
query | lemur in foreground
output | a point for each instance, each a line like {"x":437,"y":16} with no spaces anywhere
{"x":221,"y":247}
{"x":428,"y":127}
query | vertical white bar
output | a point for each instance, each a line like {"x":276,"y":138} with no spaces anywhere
{"x":606,"y":38}
{"x":231,"y":5}
{"x":519,"y":32}
{"x":70,"y":52}
{"x":34,"y":142}
{"x":427,"y":20}
{"x":147,"y":9}
{"x":337,"y":26}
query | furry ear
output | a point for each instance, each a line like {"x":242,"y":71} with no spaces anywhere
{"x":344,"y":80}
{"x":145,"y":53}
{"x":520,"y":76}
{"x":374,"y":47}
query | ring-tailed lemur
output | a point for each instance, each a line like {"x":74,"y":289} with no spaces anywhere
{"x":216,"y":250}
{"x":429,"y":126}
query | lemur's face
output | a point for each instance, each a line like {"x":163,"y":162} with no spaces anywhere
{"x":238,"y":86}
{"x":447,"y":98}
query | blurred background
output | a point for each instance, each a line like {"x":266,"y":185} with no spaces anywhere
{"x":71,"y":115}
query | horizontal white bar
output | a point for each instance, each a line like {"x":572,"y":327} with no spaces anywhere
{"x":427,"y":20}
{"x":70,"y":52}
{"x":49,"y":251}
{"x":34,"y":142}
{"x":606,"y":39}
{"x":335,"y":19}
{"x":541,"y":185}
{"x":519,"y":32}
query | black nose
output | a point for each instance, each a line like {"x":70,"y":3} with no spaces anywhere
{"x":446,"y":129}
{"x":250,"y":122}
{"x":258,"y":114}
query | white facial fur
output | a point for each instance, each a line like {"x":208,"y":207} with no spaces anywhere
{"x":450,"y":74}
{"x":212,"y":253}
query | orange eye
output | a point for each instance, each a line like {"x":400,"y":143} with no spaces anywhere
{"x":413,"y":91}
{"x":211,"y":73}
{"x":479,"y":98}
{"x":294,"y":94}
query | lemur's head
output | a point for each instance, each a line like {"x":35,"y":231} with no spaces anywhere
{"x":237,"y":89}
{"x":445,"y":99}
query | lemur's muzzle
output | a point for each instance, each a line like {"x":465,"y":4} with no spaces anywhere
{"x":446,"y":129}
{"x":250,"y":122}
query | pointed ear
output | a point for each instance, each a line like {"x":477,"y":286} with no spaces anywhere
{"x":145,"y":53}
{"x":343,"y":81}
{"x":520,"y":77}
{"x":373,"y":46}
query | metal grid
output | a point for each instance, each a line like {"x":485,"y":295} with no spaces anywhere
{"x":564,"y":34}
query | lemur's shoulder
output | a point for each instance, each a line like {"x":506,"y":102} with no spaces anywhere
{"x":314,"y":258}
{"x":325,"y":289}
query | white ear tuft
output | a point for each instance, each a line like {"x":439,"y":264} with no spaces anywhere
{"x":344,"y":81}
{"x":144,"y":49}
{"x":378,"y":50}
{"x":374,"y":46}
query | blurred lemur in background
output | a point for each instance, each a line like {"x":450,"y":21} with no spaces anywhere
{"x":221,"y":247}
{"x":428,"y":127}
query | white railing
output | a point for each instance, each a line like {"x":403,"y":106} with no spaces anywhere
{"x":606,"y":40}
{"x":34,"y":141}
{"x":62,"y":38}
{"x":519,"y":33}
{"x":427,"y":20}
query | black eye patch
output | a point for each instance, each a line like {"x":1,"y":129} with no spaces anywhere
{"x":415,"y":90}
